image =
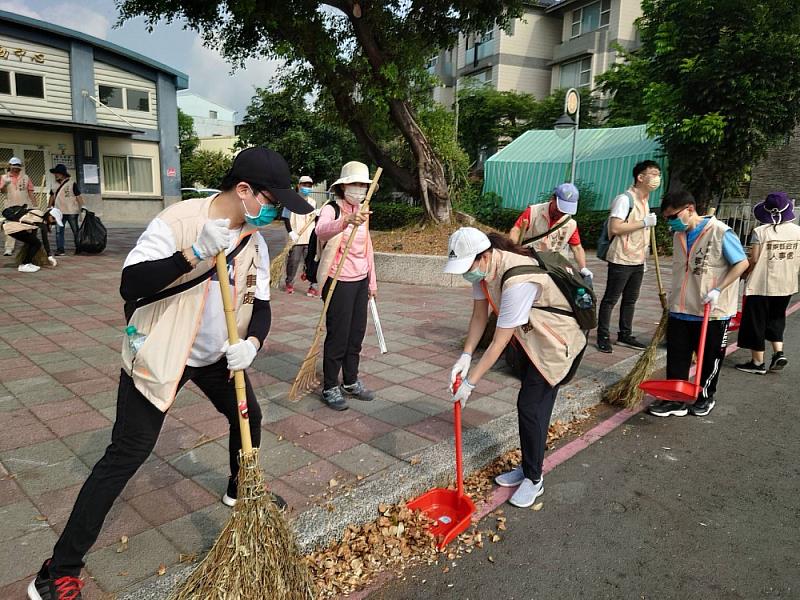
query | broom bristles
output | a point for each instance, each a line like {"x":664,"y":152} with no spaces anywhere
{"x":255,"y":555}
{"x":306,"y":378}
{"x":278,"y":265}
{"x":626,"y":392}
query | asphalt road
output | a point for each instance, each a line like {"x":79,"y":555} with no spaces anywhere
{"x":660,"y":508}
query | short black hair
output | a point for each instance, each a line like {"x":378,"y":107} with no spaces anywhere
{"x":230,"y":181}
{"x":643,"y":166}
{"x":677,"y":199}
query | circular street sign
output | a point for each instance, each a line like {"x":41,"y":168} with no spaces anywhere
{"x":572,"y":102}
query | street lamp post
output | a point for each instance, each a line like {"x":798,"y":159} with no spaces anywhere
{"x":566,"y":124}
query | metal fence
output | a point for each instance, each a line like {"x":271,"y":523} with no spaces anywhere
{"x":737,"y":213}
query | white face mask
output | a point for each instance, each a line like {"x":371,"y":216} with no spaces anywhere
{"x":354,"y":195}
{"x":653,"y":182}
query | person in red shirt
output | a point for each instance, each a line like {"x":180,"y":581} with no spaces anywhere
{"x":551,"y":226}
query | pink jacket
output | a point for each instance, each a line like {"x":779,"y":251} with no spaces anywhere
{"x":360,"y":260}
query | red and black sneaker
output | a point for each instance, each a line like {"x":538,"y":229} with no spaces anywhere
{"x":44,"y":587}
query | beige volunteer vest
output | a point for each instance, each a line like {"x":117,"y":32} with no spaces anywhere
{"x":30,"y":221}
{"x":330,"y":253}
{"x":66,"y":201}
{"x":632,"y":248}
{"x":552,"y":341}
{"x":775,"y":272}
{"x":558,"y":240}
{"x":699,"y":272}
{"x":298,"y":222}
{"x":17,"y":194}
{"x":171,"y":324}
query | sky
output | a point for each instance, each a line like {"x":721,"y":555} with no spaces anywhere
{"x":209,"y":75}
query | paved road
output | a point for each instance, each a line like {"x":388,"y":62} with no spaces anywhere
{"x":661,"y":508}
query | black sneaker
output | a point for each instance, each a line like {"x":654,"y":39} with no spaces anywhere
{"x":357,"y":390}
{"x":229,"y":499}
{"x":702,"y":407}
{"x":44,"y":587}
{"x":664,"y":408}
{"x":631,"y":342}
{"x":751,"y":367}
{"x":60,"y":253}
{"x":334,"y":399}
{"x":604,"y":345}
{"x":778,"y":361}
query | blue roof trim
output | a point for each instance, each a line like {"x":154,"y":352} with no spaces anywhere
{"x":181,"y":79}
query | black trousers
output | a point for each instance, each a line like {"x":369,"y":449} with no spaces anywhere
{"x":32,"y":244}
{"x":346,"y":324}
{"x":534,"y":407}
{"x":133,"y":438}
{"x":763,"y":318}
{"x":624,"y":281}
{"x":683,"y":338}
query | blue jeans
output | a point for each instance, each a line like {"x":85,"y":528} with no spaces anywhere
{"x":73,"y":224}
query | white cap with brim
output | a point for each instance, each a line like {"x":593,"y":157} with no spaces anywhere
{"x":15,"y":161}
{"x":464,"y":245}
{"x":58,"y":216}
{"x":306,"y":179}
{"x":566,"y":198}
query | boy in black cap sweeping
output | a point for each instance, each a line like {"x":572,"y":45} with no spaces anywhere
{"x":177,"y":333}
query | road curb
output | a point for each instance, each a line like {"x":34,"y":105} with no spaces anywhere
{"x":319,"y":526}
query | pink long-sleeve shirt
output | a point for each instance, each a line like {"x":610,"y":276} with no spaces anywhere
{"x":360,"y":260}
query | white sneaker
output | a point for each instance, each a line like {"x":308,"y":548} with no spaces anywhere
{"x":33,"y":268}
{"x":53,"y":262}
{"x":228,"y":501}
{"x":511,"y":479}
{"x":527,"y":493}
{"x":28,"y":268}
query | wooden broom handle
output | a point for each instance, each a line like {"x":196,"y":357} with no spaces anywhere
{"x":364,"y":208}
{"x":233,"y":338}
{"x":655,"y":258}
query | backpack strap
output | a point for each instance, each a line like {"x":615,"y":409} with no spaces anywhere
{"x":525,"y":269}
{"x":555,"y":227}
{"x":631,"y":202}
{"x":132,"y":306}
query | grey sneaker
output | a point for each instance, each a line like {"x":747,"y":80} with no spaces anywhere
{"x":511,"y":479}
{"x":334,"y":399}
{"x":527,"y":493}
{"x":357,"y":390}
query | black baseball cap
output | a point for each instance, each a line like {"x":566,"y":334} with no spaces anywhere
{"x":265,"y":169}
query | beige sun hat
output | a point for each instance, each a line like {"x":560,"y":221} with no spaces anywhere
{"x":353,"y":172}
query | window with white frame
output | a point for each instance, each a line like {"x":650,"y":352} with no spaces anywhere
{"x":26,"y":85}
{"x":590,"y":17}
{"x":212,"y":114}
{"x":577,"y":74}
{"x":128,"y":174}
{"x":129,"y":99}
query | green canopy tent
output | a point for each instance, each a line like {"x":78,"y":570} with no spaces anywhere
{"x":538,"y":160}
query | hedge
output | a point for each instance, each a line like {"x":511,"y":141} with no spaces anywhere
{"x":394,"y":215}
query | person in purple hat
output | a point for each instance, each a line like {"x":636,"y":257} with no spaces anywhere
{"x":771,"y":281}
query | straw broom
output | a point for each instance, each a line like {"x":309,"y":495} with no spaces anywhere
{"x":279,"y":262}
{"x":255,"y":555}
{"x":626,"y":392}
{"x":307,"y":375}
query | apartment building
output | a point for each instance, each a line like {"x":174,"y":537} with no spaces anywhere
{"x":108,"y":114}
{"x":555,"y":44}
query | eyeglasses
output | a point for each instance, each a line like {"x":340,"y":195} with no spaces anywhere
{"x":675,"y":216}
{"x":269,"y":200}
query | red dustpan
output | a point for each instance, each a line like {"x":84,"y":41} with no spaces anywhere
{"x":451,"y":510}
{"x":680,"y":390}
{"x":736,"y":320}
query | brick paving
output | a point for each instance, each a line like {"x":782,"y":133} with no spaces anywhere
{"x":60,"y":335}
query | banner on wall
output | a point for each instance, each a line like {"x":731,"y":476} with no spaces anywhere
{"x":65,"y":159}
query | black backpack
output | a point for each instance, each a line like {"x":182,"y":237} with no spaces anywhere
{"x":15,"y":213}
{"x":604,"y":241}
{"x":312,"y":260}
{"x":580,"y":296}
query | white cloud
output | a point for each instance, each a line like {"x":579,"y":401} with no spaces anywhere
{"x":71,"y":15}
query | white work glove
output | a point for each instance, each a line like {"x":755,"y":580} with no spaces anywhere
{"x":463,"y":392}
{"x":460,"y":368}
{"x":213,"y":239}
{"x":293,"y":236}
{"x":712,"y":298}
{"x":650,"y":220}
{"x":241,"y":355}
{"x":585,"y":272}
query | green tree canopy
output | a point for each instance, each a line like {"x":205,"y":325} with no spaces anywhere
{"x":205,"y":168}
{"x":369,"y":56}
{"x":718,"y":83}
{"x":187,"y":138}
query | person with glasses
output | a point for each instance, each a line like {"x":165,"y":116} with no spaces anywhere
{"x":707,"y":261}
{"x":173,"y":301}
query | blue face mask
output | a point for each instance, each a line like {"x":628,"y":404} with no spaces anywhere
{"x":675,"y":224}
{"x":265,"y":216}
{"x":305,"y":191}
{"x":474,"y":276}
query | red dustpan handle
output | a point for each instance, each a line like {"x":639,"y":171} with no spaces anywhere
{"x":702,"y":346}
{"x":457,"y":427}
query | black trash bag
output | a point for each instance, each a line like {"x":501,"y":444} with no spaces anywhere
{"x":92,"y":235}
